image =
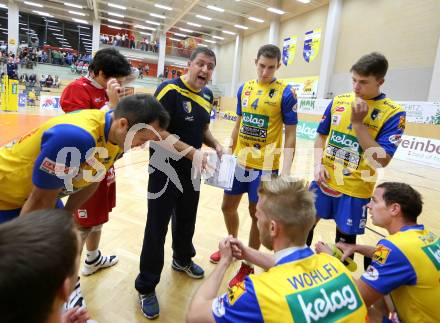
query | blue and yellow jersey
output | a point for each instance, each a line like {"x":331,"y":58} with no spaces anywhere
{"x":407,"y":265}
{"x":65,"y":152}
{"x":263,"y":108}
{"x":189,"y":109}
{"x":349,"y":167}
{"x":302,"y":287}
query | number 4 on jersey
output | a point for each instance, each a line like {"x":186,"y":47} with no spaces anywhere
{"x":255,"y":104}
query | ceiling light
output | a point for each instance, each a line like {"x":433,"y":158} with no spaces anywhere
{"x":152,"y":22}
{"x":34,"y":4}
{"x":115,"y":21}
{"x":204,"y":45}
{"x":3,"y":6}
{"x":181,"y":35}
{"x":68,"y":4}
{"x":215,"y":8}
{"x":218,"y":37}
{"x":22,"y":23}
{"x":256,"y":19}
{"x":58,"y":34}
{"x":144,"y":27}
{"x":52,"y":21}
{"x":54,"y":29}
{"x":209,"y":41}
{"x":193,"y":24}
{"x":77,"y":13}
{"x":241,"y":27}
{"x":81,"y":21}
{"x":228,"y":32}
{"x":117,"y":6}
{"x":275,"y":10}
{"x":303,"y":1}
{"x":114,"y":14}
{"x":162,"y":7}
{"x":203,"y":17}
{"x":114,"y":27}
{"x":83,"y":27}
{"x":186,"y":30}
{"x":144,"y":33}
{"x":156,"y":15}
{"x":174,"y":39}
{"x":42,"y":13}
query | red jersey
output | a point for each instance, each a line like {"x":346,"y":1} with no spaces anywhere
{"x":83,"y":93}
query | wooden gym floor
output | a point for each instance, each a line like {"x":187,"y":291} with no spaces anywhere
{"x":110,"y":293}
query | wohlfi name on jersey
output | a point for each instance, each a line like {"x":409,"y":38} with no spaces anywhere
{"x":327,"y":302}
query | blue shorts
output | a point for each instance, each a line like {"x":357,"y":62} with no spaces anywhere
{"x":248,"y":181}
{"x":349,"y":213}
{"x":8,"y":215}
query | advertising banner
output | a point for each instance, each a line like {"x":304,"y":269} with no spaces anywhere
{"x":50,"y":102}
{"x":424,"y":151}
{"x":312,"y":40}
{"x":289,"y":49}
{"x":305,"y":87}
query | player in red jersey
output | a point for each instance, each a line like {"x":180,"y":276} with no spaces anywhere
{"x":101,"y":88}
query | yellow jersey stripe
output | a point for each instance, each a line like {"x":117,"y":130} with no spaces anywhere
{"x":194,"y":97}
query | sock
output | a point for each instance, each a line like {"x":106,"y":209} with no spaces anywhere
{"x":310,"y":236}
{"x":92,"y":255}
{"x":367,"y":262}
{"x":347,"y":238}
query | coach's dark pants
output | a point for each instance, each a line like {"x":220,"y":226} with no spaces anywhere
{"x":181,"y":207}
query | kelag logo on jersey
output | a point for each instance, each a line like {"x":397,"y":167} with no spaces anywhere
{"x":344,"y":141}
{"x":329,"y":302}
{"x":433,"y":252}
{"x":255,"y":120}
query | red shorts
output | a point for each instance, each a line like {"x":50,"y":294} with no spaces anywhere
{"x":95,"y":211}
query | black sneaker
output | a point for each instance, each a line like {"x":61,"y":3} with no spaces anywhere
{"x":192,"y":270}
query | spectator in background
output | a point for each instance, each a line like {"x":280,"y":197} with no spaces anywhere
{"x":43,"y":80}
{"x":33,"y":79}
{"x":56,"y":82}
{"x":49,"y":81}
{"x":44,"y":57}
{"x":132,"y":39}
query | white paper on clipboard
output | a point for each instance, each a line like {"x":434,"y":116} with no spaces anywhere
{"x":223,"y":175}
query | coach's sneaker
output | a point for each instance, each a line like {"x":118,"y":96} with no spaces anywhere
{"x":192,"y":270}
{"x":215,"y":257}
{"x":245,"y":270}
{"x":99,"y":262}
{"x":149,"y":305}
{"x":75,"y":298}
